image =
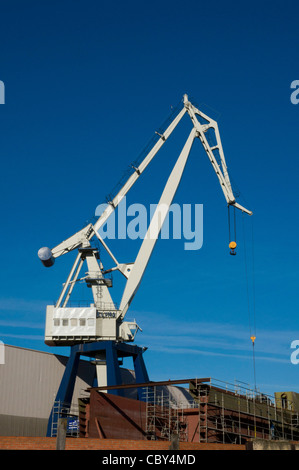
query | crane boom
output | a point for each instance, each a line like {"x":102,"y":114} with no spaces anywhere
{"x":155,"y":226}
{"x":138,"y":171}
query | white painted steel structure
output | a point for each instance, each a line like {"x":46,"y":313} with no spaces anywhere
{"x":103,"y":320}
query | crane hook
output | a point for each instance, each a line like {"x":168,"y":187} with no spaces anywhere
{"x":232,"y":247}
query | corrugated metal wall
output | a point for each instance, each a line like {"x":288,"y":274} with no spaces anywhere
{"x":29,"y":381}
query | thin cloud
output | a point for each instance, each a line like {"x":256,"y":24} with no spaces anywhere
{"x":27,"y":337}
{"x":172,"y":350}
{"x":215,"y":338}
{"x":22,"y":304}
{"x":21,"y":324}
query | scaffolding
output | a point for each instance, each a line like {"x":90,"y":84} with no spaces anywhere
{"x":236,"y":414}
{"x":219,"y":412}
{"x":68,"y":411}
{"x":208,"y":410}
{"x":165,"y":415}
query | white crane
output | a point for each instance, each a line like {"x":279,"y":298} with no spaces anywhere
{"x":103,"y":320}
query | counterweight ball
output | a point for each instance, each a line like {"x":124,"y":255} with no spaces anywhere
{"x":46,"y":257}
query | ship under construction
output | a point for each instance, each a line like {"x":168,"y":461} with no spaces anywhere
{"x":207,"y":410}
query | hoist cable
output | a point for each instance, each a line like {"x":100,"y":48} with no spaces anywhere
{"x":253,"y":357}
{"x":253,"y":278}
{"x":228,"y":216}
{"x":235,"y":224}
{"x":252,"y":336}
{"x":246,"y":276}
{"x":234,"y":229}
{"x":229,"y":223}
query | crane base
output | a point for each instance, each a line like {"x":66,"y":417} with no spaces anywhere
{"x":112,"y":351}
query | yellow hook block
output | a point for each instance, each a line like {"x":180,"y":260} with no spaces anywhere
{"x":232,"y":247}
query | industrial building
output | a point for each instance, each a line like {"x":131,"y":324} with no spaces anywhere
{"x":29,"y":381}
{"x":196,"y":410}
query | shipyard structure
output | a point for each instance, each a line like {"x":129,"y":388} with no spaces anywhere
{"x":91,"y":394}
{"x":194,"y":410}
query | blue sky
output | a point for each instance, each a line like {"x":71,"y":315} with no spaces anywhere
{"x":86,"y":86}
